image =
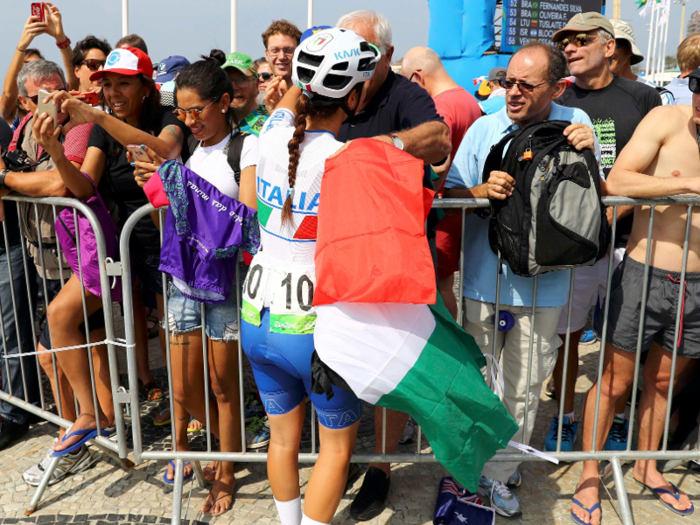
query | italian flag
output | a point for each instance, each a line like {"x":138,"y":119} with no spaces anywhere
{"x":416,"y":359}
{"x":380,"y":326}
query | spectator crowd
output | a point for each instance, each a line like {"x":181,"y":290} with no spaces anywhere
{"x":117,"y":130}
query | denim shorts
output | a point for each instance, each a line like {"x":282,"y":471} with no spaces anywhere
{"x":185,"y":315}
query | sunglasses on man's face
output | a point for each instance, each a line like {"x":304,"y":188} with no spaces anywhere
{"x":93,"y":64}
{"x":265,"y":76}
{"x":694,"y":85}
{"x":524,"y":87}
{"x":579,"y":40}
{"x":35,"y":98}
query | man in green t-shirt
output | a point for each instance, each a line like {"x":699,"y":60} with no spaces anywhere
{"x":249,"y":115}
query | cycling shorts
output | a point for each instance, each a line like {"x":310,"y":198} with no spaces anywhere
{"x":282,"y":367}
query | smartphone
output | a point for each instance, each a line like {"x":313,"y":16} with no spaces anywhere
{"x":89,"y":98}
{"x":138,"y":153}
{"x":49,"y":107}
{"x":38,"y":11}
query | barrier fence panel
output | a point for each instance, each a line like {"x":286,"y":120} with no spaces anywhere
{"x":27,"y":274}
{"x":464,"y":206}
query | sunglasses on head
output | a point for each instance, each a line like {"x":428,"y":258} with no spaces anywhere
{"x":694,"y":85}
{"x":35,"y":98}
{"x":195,"y":114}
{"x":265,"y":76}
{"x":579,"y":40}
{"x":524,"y":87}
{"x":93,"y":64}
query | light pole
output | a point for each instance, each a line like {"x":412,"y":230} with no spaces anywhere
{"x":234,"y":26}
{"x":682,"y":2}
{"x":125,"y":17}
{"x":616,"y":9}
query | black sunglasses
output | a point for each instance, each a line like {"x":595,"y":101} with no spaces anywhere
{"x":265,"y":76}
{"x":93,"y":64}
{"x":694,"y":85}
{"x":524,"y":87}
{"x":35,"y":98}
{"x":416,"y":71}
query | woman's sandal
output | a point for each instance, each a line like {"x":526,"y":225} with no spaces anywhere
{"x":164,"y":422}
{"x":228,"y":492}
{"x":151,"y":391}
{"x":190,"y":425}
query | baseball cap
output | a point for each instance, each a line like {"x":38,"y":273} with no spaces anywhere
{"x":497,"y":73}
{"x":624,"y":31}
{"x":585,"y":22}
{"x":312,"y":31}
{"x":242,"y":63}
{"x":484,"y":89}
{"x":168,"y":68}
{"x":127,"y":61}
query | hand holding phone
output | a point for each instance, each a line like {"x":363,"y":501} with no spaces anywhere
{"x":39,"y":11}
{"x":90,"y":98}
{"x":46,"y":107}
{"x":138,"y":153}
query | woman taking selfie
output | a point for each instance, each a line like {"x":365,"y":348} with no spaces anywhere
{"x":134,"y":117}
{"x":203,"y":92}
{"x":278,"y":316}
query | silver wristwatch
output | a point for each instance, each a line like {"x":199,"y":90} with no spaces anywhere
{"x":398,"y":143}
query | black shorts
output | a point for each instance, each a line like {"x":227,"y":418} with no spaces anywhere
{"x":145,"y":269}
{"x":660,"y":312}
{"x":53,"y":286}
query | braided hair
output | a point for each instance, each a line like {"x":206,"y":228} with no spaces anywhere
{"x":305,"y":109}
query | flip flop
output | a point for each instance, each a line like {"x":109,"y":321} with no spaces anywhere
{"x":172,"y":481}
{"x":676,"y":494}
{"x":194,"y":429}
{"x":590,"y":511}
{"x":164,"y":422}
{"x":229,"y":490}
{"x":86,"y":433}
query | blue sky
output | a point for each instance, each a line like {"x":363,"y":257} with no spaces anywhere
{"x":175,"y":27}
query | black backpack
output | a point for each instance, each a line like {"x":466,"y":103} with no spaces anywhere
{"x":235,"y":148}
{"x":555,"y":218}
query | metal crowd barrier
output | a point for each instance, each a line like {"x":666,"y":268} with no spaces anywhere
{"x":180,"y":456}
{"x":117,"y":449}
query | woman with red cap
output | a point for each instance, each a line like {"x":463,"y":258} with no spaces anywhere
{"x":134,"y":116}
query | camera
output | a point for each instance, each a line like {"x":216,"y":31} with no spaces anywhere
{"x":17,"y":160}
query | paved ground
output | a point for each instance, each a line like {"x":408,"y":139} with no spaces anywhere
{"x":108,"y":494}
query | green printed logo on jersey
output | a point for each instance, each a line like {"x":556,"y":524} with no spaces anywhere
{"x":250,"y":314}
{"x":292,"y":324}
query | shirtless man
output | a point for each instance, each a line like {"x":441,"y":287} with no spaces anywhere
{"x":660,"y":160}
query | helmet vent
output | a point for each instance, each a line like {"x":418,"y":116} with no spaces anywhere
{"x":342,"y":66}
{"x":311,"y":60}
{"x":336,"y":82}
{"x":305,"y":75}
{"x":366,"y":64}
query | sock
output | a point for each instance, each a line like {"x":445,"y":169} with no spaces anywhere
{"x":309,"y":521}
{"x":289,"y":511}
{"x":571,"y":416}
{"x":621,"y":417}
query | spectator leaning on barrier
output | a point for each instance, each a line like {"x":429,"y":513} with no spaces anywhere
{"x":280,"y":41}
{"x":459,"y":109}
{"x":10,"y":110}
{"x":399,"y":112}
{"x":660,"y":160}
{"x":45,"y":181}
{"x":628,"y":54}
{"x":616,"y":106}
{"x":14,"y":422}
{"x":535,"y":78}
{"x":688,"y":57}
{"x":250,"y":117}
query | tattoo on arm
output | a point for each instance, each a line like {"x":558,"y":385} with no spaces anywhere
{"x":175,"y":133}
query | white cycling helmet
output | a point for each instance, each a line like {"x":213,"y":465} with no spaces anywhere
{"x":332,"y":62}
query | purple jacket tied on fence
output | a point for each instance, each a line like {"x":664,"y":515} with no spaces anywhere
{"x":89,"y":268}
{"x":204,"y":230}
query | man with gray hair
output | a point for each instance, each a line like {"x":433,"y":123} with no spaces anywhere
{"x":399,"y":112}
{"x":42,"y":180}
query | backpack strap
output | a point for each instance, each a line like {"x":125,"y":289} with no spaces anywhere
{"x":234,"y":152}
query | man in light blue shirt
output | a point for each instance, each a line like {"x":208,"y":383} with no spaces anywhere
{"x":688,"y":57}
{"x":534,"y":79}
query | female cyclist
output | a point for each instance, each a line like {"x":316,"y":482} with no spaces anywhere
{"x":134,"y":117}
{"x":204,"y":92}
{"x":277,"y":332}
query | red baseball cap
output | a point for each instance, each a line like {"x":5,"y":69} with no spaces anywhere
{"x":126,"y":61}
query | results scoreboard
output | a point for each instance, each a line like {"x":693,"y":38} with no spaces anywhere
{"x":528,"y":20}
